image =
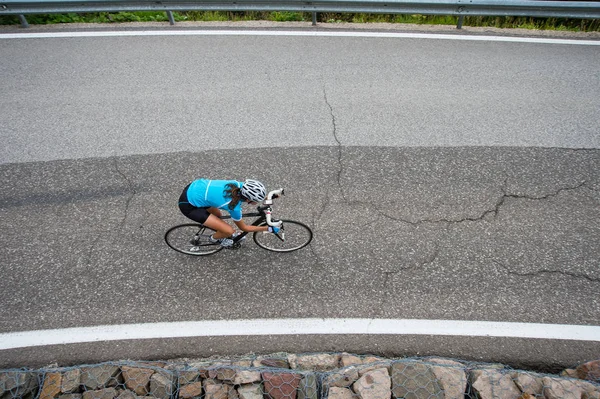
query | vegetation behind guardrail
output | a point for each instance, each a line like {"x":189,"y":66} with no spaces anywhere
{"x":560,"y":24}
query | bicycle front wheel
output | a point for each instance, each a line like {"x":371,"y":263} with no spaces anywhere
{"x":191,"y":239}
{"x":295,"y":235}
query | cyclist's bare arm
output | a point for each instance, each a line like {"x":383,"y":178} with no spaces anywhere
{"x":248,"y":228}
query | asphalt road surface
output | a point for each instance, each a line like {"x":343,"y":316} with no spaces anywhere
{"x":443,"y":179}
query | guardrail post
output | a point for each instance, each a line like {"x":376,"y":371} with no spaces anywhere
{"x":460,"y":22}
{"x":314,"y":18}
{"x":171,"y":19}
{"x":23,"y":20}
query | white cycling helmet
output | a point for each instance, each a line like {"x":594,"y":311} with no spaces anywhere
{"x":254,"y":190}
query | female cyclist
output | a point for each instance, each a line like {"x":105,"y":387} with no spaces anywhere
{"x":203,"y":199}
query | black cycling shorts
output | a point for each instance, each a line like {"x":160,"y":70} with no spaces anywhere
{"x":196,"y":214}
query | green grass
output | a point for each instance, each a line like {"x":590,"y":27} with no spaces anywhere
{"x":102,"y":17}
{"x":286,"y":16}
{"x":560,"y":24}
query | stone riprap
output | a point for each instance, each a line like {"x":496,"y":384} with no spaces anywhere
{"x":300,"y":376}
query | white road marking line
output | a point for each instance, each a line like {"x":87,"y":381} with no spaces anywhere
{"x":45,"y":35}
{"x":260,"y":327}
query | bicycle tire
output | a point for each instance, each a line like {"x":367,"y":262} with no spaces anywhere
{"x":179,"y":238}
{"x":297,"y":236}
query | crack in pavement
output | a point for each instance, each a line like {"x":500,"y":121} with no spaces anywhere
{"x":131,"y":189}
{"x":90,"y":252}
{"x":419,"y":264}
{"x":340,"y":170}
{"x":319,"y":214}
{"x":388,"y":275}
{"x":339,"y":144}
{"x":543,"y":197}
{"x":546,"y":271}
{"x":318,"y":259}
{"x":495,"y":210}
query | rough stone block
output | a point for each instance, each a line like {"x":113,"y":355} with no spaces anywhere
{"x":308,"y":387}
{"x":101,"y":376}
{"x":71,"y":380}
{"x":271,"y":362}
{"x":375,"y":384}
{"x":452,"y":380}
{"x":18,"y":383}
{"x":281,"y":385}
{"x":253,"y":391}
{"x":555,"y":388}
{"x":444,"y":362}
{"x":222,"y":374}
{"x":242,"y":363}
{"x":493,"y":384}
{"x":560,"y":389}
{"x":188,"y":376}
{"x":203,"y":368}
{"x":415,"y":380}
{"x":209,"y":381}
{"x":374,"y":359}
{"x":570,"y":373}
{"x":216,"y":391}
{"x":528,"y":383}
{"x":347,"y":359}
{"x":589,"y":371}
{"x":51,"y":386}
{"x":343,"y":378}
{"x":74,"y":396}
{"x":190,"y":390}
{"x":366,"y":368}
{"x":161,"y":386}
{"x":127,"y":394}
{"x":591,"y":395}
{"x":232,"y":393}
{"x":242,"y":377}
{"x":106,"y":393}
{"x":314,"y":362}
{"x":137,"y":379}
{"x":340,"y":393}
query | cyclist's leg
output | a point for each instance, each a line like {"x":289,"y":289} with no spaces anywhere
{"x":215,"y":211}
{"x":223,"y":229}
{"x":207,"y":217}
{"x":196,"y":214}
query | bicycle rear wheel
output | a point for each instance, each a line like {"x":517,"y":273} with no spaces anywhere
{"x":297,"y":235}
{"x":191,"y":239}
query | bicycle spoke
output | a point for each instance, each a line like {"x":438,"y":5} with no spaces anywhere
{"x":191,"y":239}
{"x":295,"y":235}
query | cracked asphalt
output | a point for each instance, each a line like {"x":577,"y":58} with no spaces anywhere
{"x":437,"y":188}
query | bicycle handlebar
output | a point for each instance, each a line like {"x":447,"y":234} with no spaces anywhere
{"x":269,"y":201}
{"x":275,"y":194}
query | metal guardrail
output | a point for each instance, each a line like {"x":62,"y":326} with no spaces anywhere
{"x":461,"y":8}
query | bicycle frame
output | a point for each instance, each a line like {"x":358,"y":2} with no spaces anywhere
{"x":263,"y":214}
{"x":262,"y":217}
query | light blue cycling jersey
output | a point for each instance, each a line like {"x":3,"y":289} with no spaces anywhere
{"x":204,"y":193}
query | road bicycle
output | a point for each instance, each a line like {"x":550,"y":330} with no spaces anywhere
{"x":193,"y":238}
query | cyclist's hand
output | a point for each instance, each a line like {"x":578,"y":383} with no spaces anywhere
{"x":274,"y":229}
